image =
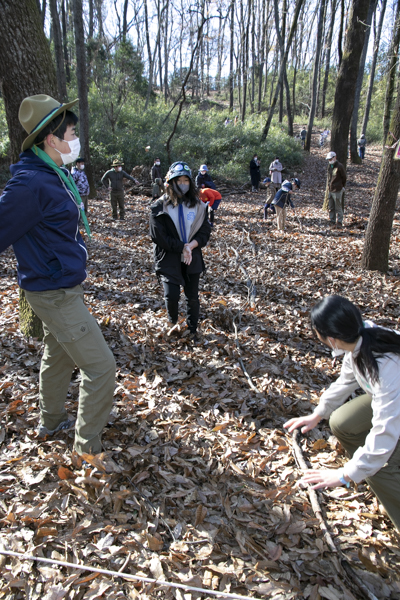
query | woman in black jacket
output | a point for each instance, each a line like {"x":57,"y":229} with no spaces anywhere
{"x":179,"y":228}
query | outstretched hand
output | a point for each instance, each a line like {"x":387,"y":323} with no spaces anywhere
{"x":306,"y":423}
{"x":321,"y":478}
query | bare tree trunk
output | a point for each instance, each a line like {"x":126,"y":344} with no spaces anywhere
{"x":166,"y":51}
{"x":347,"y":78}
{"x":354,"y":158}
{"x":232,"y":28}
{"x":377,"y":38}
{"x":340,"y":37}
{"x":393,"y":54}
{"x":245,"y":61}
{"x":267,"y":125}
{"x":328,"y":56}
{"x":307,"y":144}
{"x":284,"y":12}
{"x":82,"y":90}
{"x":183,"y":93}
{"x":91,"y":19}
{"x":58,"y":49}
{"x":125,"y":20}
{"x":26,"y":66}
{"x":65,"y":41}
{"x":377,"y":239}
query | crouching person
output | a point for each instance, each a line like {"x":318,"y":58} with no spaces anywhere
{"x":51,"y":257}
{"x":213,"y":199}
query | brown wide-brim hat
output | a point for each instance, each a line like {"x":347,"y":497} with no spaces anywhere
{"x":36,"y":112}
{"x":117,"y":163}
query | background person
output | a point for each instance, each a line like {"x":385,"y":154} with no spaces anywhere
{"x":282,"y":200}
{"x":362,"y":142}
{"x":275,"y":171}
{"x":179,"y":228}
{"x":368,"y":426}
{"x":270,"y":196}
{"x":213,"y":199}
{"x":204,"y":179}
{"x":39,"y":214}
{"x":81,"y":181}
{"x":115,"y":178}
{"x":336,"y":182}
{"x":255,"y":175}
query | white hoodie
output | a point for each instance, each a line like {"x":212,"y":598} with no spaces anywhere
{"x":382,"y":439}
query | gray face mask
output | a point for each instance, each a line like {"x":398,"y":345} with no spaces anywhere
{"x":180,"y":189}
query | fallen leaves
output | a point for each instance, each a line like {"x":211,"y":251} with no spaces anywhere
{"x":197,"y":482}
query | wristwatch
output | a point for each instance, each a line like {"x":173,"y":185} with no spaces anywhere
{"x":343,"y":480}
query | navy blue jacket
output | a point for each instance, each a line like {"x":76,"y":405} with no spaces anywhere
{"x":282,"y":196}
{"x":205,"y":180}
{"x":39,"y":218}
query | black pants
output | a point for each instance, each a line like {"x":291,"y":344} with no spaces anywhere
{"x":172,"y":292}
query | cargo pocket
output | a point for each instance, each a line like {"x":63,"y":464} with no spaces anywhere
{"x":74,"y":333}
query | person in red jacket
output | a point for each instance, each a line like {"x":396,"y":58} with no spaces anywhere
{"x":213,"y":199}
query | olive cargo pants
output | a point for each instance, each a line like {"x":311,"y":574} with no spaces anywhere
{"x":73,"y":337}
{"x":351,"y":424}
{"x":117,"y":200}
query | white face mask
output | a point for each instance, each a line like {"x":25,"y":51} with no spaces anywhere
{"x":119,"y":168}
{"x":82,"y":167}
{"x":335,"y":350}
{"x":332,"y":161}
{"x":158,"y":162}
{"x":74,"y":151}
{"x":203,"y":172}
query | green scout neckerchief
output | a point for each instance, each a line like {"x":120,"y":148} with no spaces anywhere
{"x":68,"y":182}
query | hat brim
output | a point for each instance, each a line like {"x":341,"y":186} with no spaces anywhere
{"x":28,"y":142}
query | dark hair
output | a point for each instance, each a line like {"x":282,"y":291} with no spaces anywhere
{"x":339,"y":318}
{"x":58,"y":126}
{"x":191,"y":197}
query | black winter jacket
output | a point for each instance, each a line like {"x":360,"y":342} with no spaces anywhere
{"x":168,"y":247}
{"x":205,"y":180}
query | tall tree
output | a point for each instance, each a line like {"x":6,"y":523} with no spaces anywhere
{"x":245,"y":60}
{"x":377,"y":38}
{"x":318,"y":47}
{"x":26,"y":65}
{"x":81,"y":73}
{"x":231,"y":51}
{"x":293,"y":27}
{"x":341,"y":27}
{"x":328,"y":56}
{"x":347,"y":78}
{"x":377,"y":239}
{"x":392,"y":68}
{"x":65,"y":40}
{"x":58,"y":50}
{"x":355,"y":159}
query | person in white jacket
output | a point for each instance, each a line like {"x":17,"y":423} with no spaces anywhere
{"x":367,"y":426}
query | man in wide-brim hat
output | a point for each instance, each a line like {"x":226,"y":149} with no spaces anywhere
{"x":39,"y":215}
{"x":115,"y":177}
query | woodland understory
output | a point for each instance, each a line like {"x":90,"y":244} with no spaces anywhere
{"x":198,"y":481}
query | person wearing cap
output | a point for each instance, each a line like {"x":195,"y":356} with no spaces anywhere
{"x":283,"y":199}
{"x":39,"y":215}
{"x":361,"y":143}
{"x":156,"y":179}
{"x":81,"y":181}
{"x":179,"y":229}
{"x":336,"y":183}
{"x":303,"y":135}
{"x":114,"y":179}
{"x":204,"y":179}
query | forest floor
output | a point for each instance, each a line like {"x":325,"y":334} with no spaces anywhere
{"x":198,"y":481}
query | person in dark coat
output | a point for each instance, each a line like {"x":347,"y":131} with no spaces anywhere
{"x":204,"y":179}
{"x":179,"y":229}
{"x":156,"y":179}
{"x":255,"y":173}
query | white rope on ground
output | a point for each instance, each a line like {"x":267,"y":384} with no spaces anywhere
{"x":125,"y":575}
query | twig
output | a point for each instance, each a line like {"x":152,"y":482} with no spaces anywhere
{"x":352,"y":577}
{"x":249,"y":379}
{"x":128,"y":576}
